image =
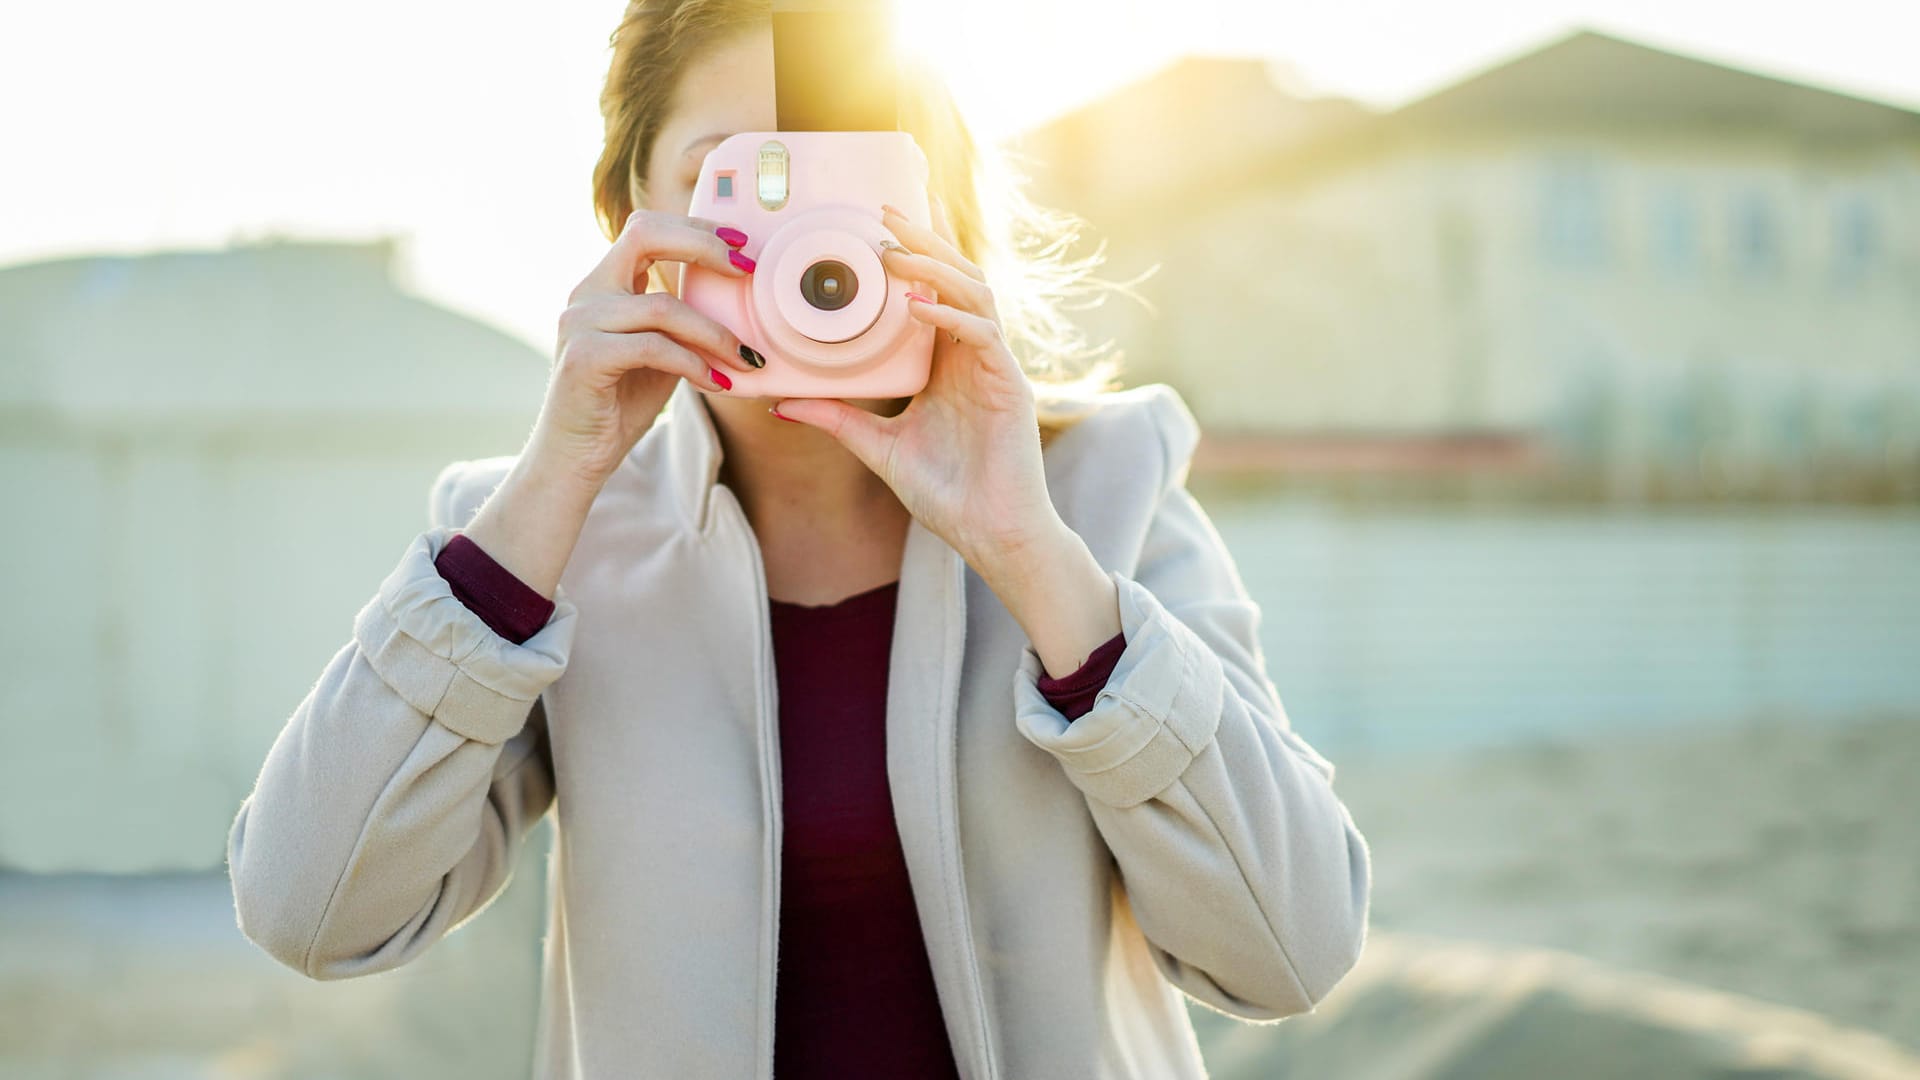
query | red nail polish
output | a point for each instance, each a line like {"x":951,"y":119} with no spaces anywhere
{"x":775,"y":410}
{"x":741,"y":261}
{"x":721,"y":378}
{"x":734,"y":237}
{"x":917,"y":296}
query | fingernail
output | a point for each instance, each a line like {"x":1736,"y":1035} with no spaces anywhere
{"x":734,"y":237}
{"x":889,"y":245}
{"x":885,"y":209}
{"x":752,"y":357}
{"x":741,"y":261}
{"x":917,"y":296}
{"x":775,"y":410}
{"x":719,"y":377}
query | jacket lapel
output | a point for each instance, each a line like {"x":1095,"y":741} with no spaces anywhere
{"x":923,"y":696}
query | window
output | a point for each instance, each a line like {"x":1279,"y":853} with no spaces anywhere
{"x":1756,"y":235}
{"x":1573,"y":229}
{"x":1676,"y":230}
{"x":1855,"y":240}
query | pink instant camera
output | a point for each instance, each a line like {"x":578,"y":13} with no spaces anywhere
{"x":818,"y":305}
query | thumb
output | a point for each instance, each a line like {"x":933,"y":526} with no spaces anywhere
{"x":861,"y":432}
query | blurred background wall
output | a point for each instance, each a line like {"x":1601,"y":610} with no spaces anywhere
{"x":1564,"y":420}
{"x":203,"y":453}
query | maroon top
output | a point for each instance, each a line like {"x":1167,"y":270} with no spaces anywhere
{"x":854,"y":994}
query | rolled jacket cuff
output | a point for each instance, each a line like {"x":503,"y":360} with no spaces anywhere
{"x":443,"y":658}
{"x":1159,"y":709}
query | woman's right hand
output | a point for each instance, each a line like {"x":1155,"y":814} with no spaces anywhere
{"x":621,"y":348}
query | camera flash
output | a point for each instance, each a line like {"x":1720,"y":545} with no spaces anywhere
{"x":771,"y":175}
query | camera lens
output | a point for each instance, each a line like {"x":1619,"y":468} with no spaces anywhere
{"x":829,"y":285}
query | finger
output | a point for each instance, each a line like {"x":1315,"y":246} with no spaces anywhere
{"x":954,"y":287}
{"x":706,"y":224}
{"x":865,"y":434}
{"x":975,"y":330}
{"x":648,"y":237}
{"x":658,"y":311}
{"x":919,"y":238}
{"x":606,"y":357}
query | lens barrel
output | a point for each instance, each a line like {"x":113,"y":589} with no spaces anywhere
{"x":829,"y":285}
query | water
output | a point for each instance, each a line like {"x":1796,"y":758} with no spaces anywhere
{"x":1420,"y":629}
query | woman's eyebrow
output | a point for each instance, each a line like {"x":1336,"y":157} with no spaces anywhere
{"x":714,"y":137}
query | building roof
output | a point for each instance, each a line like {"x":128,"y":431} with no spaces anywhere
{"x":1198,"y":116}
{"x":1204,"y":125}
{"x":253,"y":336}
{"x":1589,"y":77}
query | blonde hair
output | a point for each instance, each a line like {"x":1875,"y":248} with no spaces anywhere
{"x":1020,"y":245}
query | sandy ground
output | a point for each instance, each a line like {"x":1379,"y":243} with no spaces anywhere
{"x":1775,"y":861}
{"x":1423,"y":1008}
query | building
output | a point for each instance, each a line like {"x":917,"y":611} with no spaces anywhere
{"x":1671,"y":275}
{"x":211,"y":457}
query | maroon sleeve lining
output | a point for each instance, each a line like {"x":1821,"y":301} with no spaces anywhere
{"x":1073,"y":694}
{"x":515,"y":610}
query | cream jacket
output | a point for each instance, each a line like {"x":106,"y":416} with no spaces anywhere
{"x":1072,"y":879}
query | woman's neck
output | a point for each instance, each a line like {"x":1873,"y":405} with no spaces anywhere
{"x":827,"y":526}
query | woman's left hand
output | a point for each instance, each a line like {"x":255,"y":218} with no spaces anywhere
{"x":964,"y":456}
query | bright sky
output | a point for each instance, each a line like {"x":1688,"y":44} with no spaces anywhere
{"x":471,"y":129}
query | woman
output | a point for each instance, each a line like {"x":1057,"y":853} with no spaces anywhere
{"x":889,"y":743}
